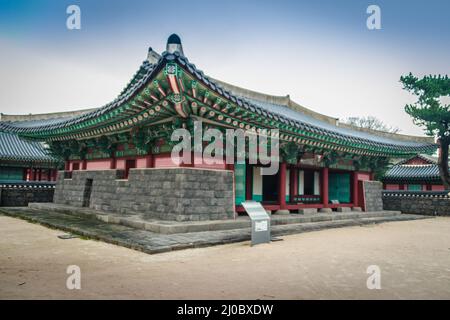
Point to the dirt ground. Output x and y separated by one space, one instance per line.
413 257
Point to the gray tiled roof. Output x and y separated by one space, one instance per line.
138 81
300 120
13 148
278 112
325 126
408 172
428 159
43 122
404 172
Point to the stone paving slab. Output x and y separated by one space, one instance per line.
151 242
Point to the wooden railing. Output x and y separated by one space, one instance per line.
307 199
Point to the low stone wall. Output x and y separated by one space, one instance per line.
182 194
21 193
373 195
418 202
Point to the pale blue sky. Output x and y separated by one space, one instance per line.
319 52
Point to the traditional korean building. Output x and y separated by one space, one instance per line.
323 162
25 160
418 173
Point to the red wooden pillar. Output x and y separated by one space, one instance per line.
149 161
282 186
372 176
293 183
84 164
112 163
297 171
67 165
355 188
324 185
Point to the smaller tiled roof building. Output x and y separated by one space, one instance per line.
25 160
420 172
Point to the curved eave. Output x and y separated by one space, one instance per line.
109 113
26 159
301 128
406 180
291 129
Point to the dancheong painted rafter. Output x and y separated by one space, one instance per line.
169 85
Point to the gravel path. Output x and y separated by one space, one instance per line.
413 256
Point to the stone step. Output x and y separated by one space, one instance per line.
173 227
315 226
151 242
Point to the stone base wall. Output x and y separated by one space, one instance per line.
14 196
182 194
414 203
373 195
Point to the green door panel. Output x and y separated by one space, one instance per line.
7 173
414 187
339 187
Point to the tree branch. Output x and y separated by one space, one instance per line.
443 162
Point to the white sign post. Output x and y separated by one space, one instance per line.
260 222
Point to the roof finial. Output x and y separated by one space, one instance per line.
152 56
174 44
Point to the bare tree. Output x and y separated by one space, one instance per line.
371 123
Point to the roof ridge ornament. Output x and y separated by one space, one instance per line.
152 56
174 44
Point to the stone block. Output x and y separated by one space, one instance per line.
282 212
307 211
344 209
170 194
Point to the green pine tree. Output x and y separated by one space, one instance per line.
431 113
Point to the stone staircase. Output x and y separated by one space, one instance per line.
173 227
